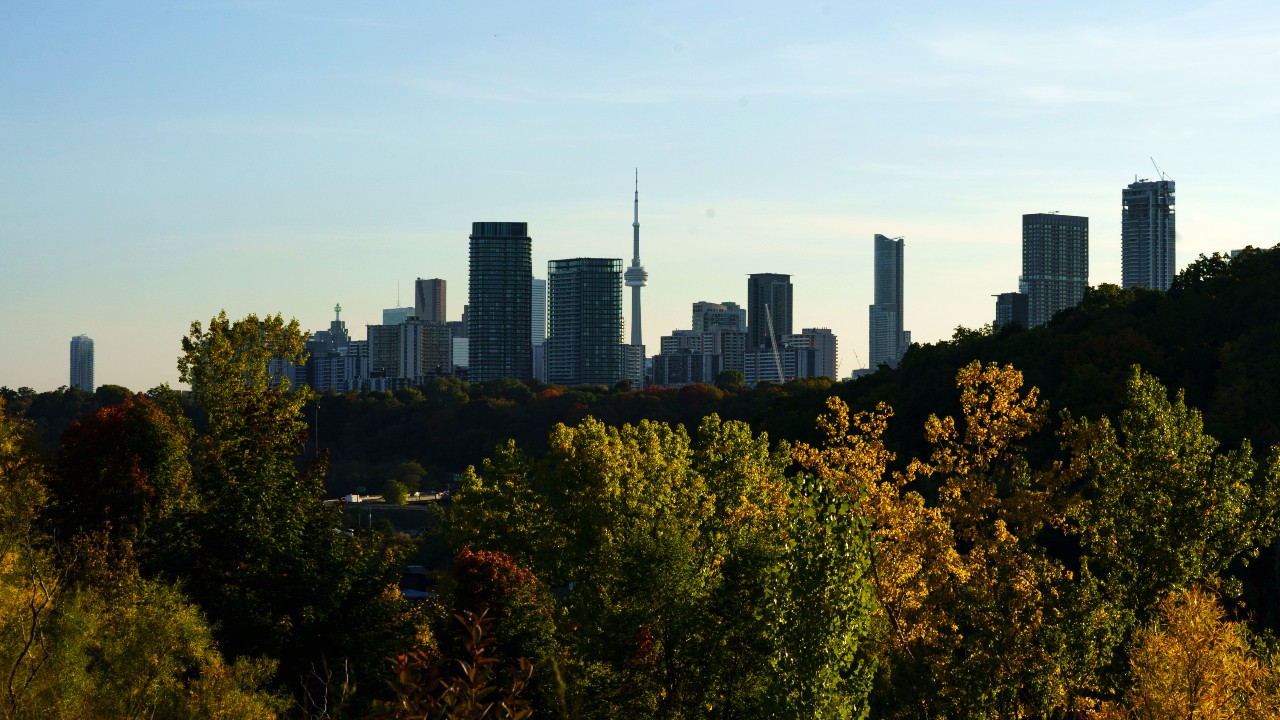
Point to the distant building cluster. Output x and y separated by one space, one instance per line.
568 328
1055 255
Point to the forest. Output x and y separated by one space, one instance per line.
1074 521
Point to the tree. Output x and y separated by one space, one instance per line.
658 549
1193 663
820 602
23 475
270 564
125 469
461 688
1165 507
731 380
394 493
970 623
490 583
409 474
83 635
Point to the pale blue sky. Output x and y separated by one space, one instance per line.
161 161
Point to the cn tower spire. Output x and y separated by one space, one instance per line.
635 276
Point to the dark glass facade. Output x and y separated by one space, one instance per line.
584 303
501 296
774 291
1055 263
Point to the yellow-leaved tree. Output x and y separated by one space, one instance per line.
1194 663
972 617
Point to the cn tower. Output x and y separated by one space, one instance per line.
635 276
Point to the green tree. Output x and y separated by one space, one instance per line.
1165 506
271 566
409 474
820 602
395 493
693 578
92 638
731 380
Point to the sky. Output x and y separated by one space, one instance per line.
160 162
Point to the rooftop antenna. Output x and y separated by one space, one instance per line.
1158 170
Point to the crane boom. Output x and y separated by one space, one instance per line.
1158 170
777 359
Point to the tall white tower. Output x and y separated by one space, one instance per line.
635 277
82 363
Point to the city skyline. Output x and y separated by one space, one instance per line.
150 169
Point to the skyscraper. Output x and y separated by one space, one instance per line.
1147 235
538 310
584 302
1055 263
429 300
538 329
500 313
887 342
772 291
636 276
82 363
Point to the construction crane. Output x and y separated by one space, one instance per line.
1158 170
773 342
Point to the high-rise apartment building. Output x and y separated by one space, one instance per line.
357 370
888 341
1055 263
1147 235
726 315
429 300
538 329
501 295
633 365
426 350
384 350
584 304
769 299
1011 309
824 342
538 309
82 363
